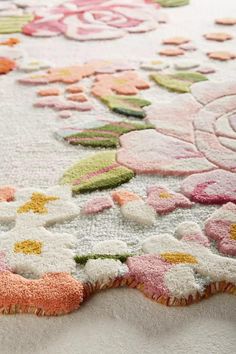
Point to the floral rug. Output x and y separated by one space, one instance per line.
116 172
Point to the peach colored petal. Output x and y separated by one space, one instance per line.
53 294
74 89
226 21
221 55
126 83
218 36
123 196
172 52
176 40
7 194
77 98
49 92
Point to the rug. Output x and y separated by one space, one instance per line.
120 172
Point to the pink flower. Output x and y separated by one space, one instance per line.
149 270
214 187
94 19
3 264
165 201
169 271
193 133
221 227
97 204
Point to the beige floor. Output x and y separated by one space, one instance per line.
124 322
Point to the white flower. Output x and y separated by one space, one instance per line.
29 65
192 250
105 270
32 251
110 247
40 207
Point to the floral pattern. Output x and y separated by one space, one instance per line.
32 251
127 83
97 19
49 272
221 227
165 201
40 207
200 139
29 248
167 272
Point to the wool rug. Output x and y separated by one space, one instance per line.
117 170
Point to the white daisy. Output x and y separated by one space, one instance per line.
32 251
41 207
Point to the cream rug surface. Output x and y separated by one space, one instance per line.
153 158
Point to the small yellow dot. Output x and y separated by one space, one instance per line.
28 247
165 195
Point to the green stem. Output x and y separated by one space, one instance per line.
83 259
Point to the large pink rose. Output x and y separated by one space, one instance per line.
94 19
193 133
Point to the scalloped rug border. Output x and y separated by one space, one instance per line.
82 292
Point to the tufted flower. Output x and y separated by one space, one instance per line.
75 73
96 19
6 65
32 251
39 206
127 83
179 267
104 266
221 227
193 133
165 201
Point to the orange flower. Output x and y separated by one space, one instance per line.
126 83
6 65
10 42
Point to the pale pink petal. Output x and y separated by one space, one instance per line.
164 201
175 118
97 205
215 187
148 151
208 91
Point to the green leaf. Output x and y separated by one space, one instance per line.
14 24
99 171
190 76
105 136
119 257
172 3
127 105
178 82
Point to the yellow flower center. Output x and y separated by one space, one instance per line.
37 76
65 72
156 62
121 81
232 232
165 195
176 258
28 247
36 204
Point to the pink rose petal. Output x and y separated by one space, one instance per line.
97 205
215 187
165 201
